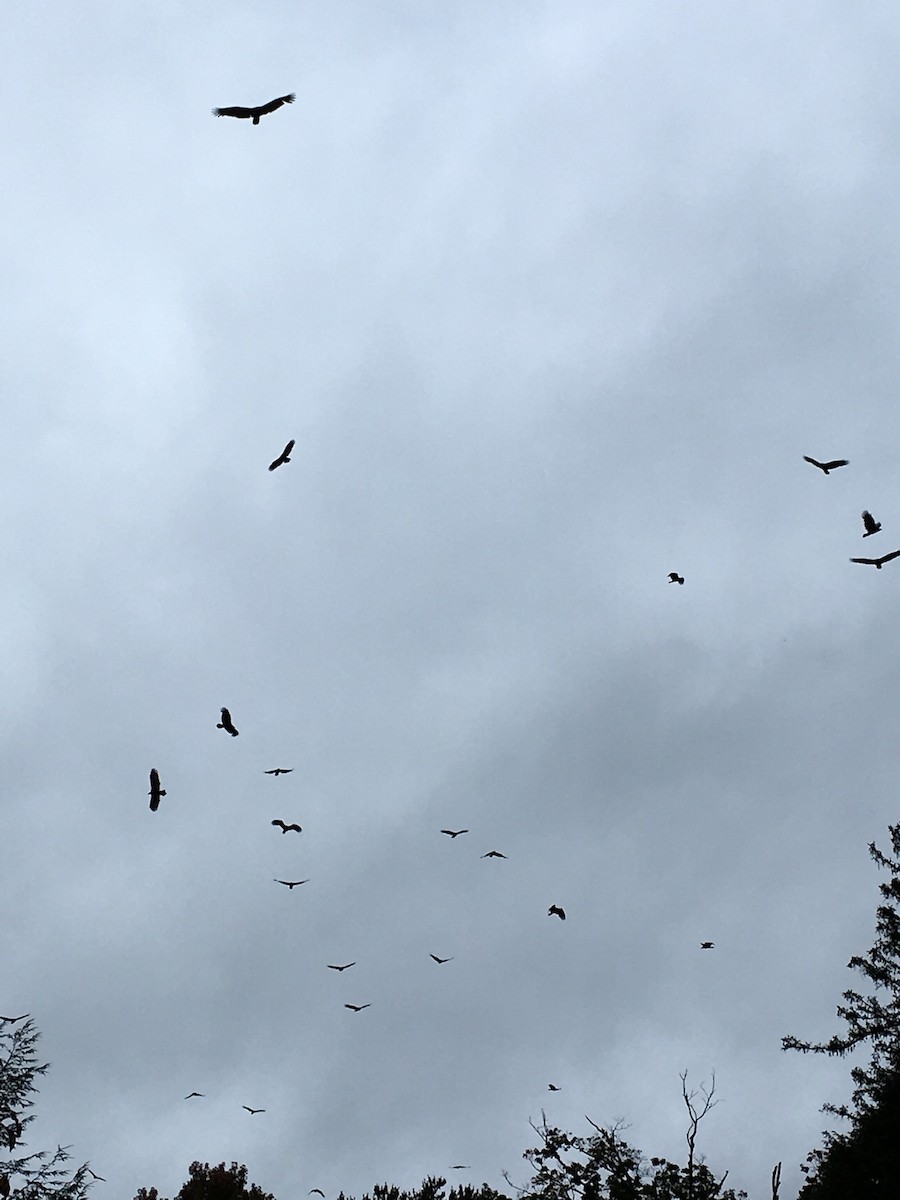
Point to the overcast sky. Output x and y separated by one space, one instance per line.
553 297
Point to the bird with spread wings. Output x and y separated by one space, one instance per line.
255 113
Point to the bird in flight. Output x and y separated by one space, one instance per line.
829 466
878 562
551 1087
454 833
357 1007
255 113
94 1175
193 1094
441 960
156 792
12 1020
317 1191
555 911
284 828
227 724
707 945
335 967
251 1111
872 526
493 854
291 883
283 457
460 1167
279 771
674 577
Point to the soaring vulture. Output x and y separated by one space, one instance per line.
454 833
317 1191
193 1094
441 960
283 457
333 967
707 945
291 883
227 724
255 113
156 792
829 466
674 577
551 1087
493 854
872 526
251 1111
279 771
555 911
285 828
357 1007
878 562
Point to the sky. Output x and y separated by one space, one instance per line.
553 298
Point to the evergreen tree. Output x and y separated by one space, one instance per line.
213 1183
864 1162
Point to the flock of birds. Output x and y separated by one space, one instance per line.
870 525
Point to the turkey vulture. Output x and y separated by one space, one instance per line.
12 1020
493 854
94 1175
555 911
707 945
251 1111
357 1007
878 562
193 1094
285 828
551 1087
460 1167
227 724
284 456
872 526
454 833
441 960
317 1191
829 466
255 113
674 577
156 792
279 771
333 967
291 883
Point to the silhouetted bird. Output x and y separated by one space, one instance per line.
357 1007
878 562
829 466
460 1167
193 1094
283 457
94 1175
227 724
12 1020
279 771
674 577
156 792
551 1087
555 911
316 1192
441 960
346 966
251 1111
493 854
454 833
284 828
707 945
255 113
291 883
872 526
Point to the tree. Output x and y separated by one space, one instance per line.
431 1188
39 1175
213 1183
864 1162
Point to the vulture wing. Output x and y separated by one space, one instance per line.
275 104
234 111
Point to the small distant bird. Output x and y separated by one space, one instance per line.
283 457
829 466
551 1087
193 1094
872 526
346 966
227 724
279 771
441 960
291 883
707 945
357 1007
555 911
493 854
460 1167
454 833
12 1020
317 1192
260 111
156 792
251 1111
878 562
284 828
674 577
94 1175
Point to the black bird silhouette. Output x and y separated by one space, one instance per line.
94 1175
12 1020
878 562
872 526
156 792
555 911
707 945
454 833
283 457
317 1192
193 1094
829 466
251 1111
674 577
255 113
441 960
291 883
227 724
279 771
460 1167
493 854
551 1087
334 967
357 1007
284 828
